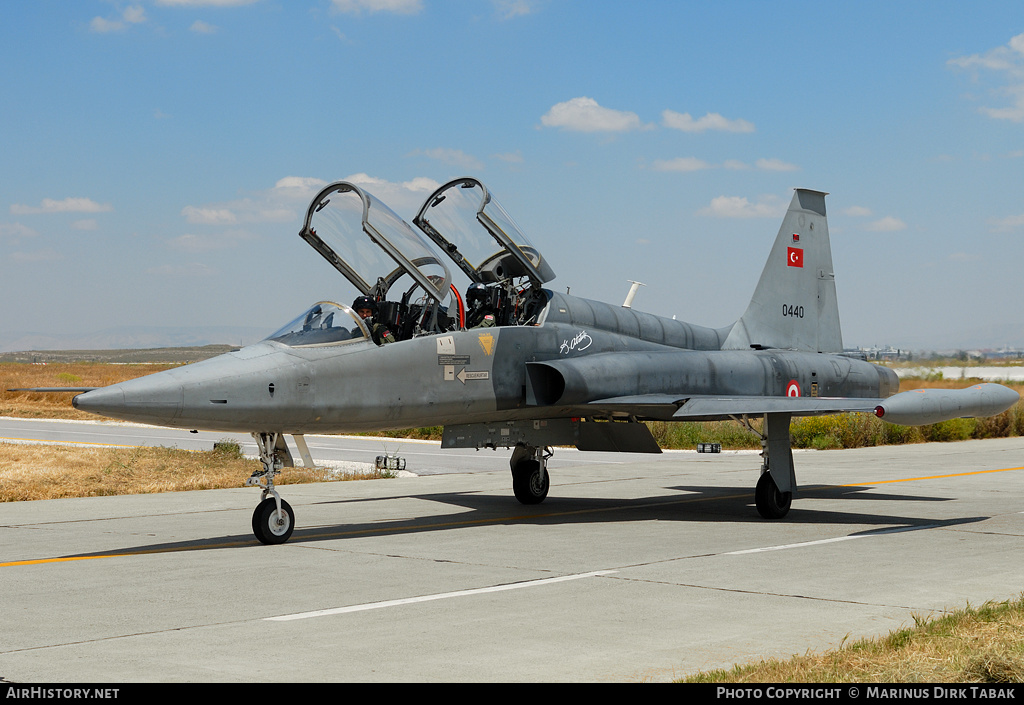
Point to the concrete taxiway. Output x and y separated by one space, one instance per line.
644 570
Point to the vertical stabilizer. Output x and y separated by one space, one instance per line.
794 306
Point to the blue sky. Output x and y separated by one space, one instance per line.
156 157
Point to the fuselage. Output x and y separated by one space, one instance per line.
477 375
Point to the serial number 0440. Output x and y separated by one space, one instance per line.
791 310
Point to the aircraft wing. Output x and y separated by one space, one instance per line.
713 408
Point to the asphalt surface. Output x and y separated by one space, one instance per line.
643 570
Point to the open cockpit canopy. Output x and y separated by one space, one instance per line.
375 249
341 218
479 236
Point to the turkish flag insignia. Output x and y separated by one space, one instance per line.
794 257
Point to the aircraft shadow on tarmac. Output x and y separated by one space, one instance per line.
693 504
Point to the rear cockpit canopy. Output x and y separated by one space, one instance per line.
477 233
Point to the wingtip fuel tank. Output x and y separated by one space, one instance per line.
925 406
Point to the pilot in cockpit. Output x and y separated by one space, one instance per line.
480 312
366 308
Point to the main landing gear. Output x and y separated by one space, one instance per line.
773 494
530 481
273 521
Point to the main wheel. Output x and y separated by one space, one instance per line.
271 526
530 482
771 504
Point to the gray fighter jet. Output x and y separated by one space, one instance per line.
517 365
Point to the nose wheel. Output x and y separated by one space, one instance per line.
271 524
273 521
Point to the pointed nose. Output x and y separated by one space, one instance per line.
100 399
153 399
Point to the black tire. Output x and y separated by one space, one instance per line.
268 527
771 504
529 482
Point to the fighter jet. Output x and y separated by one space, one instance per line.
516 365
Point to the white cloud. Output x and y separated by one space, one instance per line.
207 243
286 202
404 197
681 164
133 14
102 26
1007 62
1010 222
200 27
398 7
195 270
888 224
775 165
68 205
303 184
741 207
452 157
209 216
47 255
508 9
711 121
204 3
16 231
964 257
857 212
585 115
694 164
510 157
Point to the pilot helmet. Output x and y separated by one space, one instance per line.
476 294
367 302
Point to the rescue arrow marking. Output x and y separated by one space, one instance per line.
464 375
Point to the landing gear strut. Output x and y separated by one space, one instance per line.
530 481
773 494
273 520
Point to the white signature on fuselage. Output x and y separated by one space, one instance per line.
582 341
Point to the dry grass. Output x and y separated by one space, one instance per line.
983 645
30 472
58 406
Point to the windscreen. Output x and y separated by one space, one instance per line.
322 323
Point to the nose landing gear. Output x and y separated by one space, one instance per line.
273 521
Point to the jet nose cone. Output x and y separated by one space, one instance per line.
99 400
153 399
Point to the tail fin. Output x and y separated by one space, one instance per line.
794 306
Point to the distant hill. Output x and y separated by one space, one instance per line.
131 338
140 356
